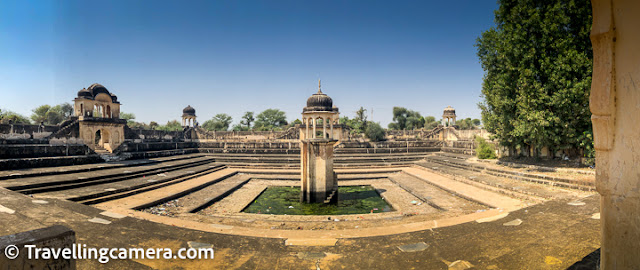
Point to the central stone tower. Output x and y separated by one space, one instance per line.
318 180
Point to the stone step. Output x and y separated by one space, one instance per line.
44 186
49 171
201 199
123 193
466 191
537 178
164 194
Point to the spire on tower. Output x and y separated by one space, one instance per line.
319 87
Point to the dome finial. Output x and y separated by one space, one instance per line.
319 87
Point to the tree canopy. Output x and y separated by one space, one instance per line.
52 115
430 122
468 123
374 132
538 63
172 125
247 119
220 122
404 118
6 116
270 119
358 124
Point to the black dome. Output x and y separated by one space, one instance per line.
189 111
84 93
319 102
97 88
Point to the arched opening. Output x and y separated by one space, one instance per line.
81 109
102 138
98 138
108 111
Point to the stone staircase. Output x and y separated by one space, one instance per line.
455 162
65 129
105 154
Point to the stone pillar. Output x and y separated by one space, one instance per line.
318 182
314 129
615 104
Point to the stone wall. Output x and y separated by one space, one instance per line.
158 135
154 146
470 134
18 163
25 131
51 237
206 135
41 150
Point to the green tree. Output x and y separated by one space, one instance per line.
172 125
127 116
219 122
430 122
374 132
296 122
130 117
467 123
538 64
270 119
138 125
153 125
52 115
404 118
9 116
239 127
40 114
65 109
484 149
247 119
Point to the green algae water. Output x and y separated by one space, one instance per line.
286 201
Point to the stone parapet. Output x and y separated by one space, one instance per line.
51 237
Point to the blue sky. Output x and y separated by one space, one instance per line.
236 56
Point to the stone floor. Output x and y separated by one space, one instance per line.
538 226
551 235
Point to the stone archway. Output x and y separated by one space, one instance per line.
102 138
98 138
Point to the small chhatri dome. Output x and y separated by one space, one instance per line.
319 102
84 93
189 111
449 110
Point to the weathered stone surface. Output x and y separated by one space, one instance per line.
514 222
460 265
198 245
4 209
112 215
99 220
415 247
40 201
51 237
615 104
